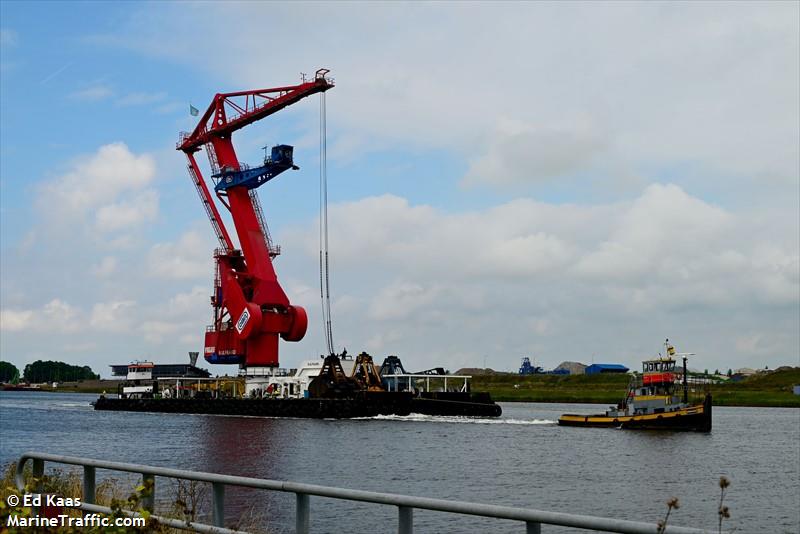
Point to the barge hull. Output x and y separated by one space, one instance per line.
369 406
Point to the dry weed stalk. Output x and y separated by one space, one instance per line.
662 524
722 511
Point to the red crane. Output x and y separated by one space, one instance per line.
251 310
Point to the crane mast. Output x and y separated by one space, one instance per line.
251 309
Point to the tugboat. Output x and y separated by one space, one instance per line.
656 400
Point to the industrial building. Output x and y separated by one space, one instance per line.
597 368
165 370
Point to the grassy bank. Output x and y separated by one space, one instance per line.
769 389
772 389
83 386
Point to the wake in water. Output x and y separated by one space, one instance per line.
452 419
52 405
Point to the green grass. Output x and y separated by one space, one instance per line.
553 388
769 389
772 389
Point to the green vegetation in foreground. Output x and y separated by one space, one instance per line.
185 500
770 389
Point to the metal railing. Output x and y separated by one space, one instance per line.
533 519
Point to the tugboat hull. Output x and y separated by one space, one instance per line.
695 418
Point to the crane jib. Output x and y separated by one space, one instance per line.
259 105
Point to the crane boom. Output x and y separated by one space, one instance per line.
258 104
251 309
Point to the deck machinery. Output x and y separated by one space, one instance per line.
251 309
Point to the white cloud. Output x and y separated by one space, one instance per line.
526 155
180 317
647 84
61 316
55 316
156 331
15 320
93 93
665 246
189 303
8 37
140 99
526 274
172 107
128 213
97 181
508 240
663 232
112 316
106 267
190 257
81 348
401 300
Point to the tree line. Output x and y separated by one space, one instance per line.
46 371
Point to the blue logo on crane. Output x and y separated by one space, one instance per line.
242 322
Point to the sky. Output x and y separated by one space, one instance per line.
564 181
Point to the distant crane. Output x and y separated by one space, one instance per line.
527 368
251 310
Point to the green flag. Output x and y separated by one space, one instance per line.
193 111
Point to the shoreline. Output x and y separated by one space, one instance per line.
724 404
548 399
765 390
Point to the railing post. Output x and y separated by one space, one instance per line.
89 490
533 527
405 524
303 513
149 498
38 475
218 503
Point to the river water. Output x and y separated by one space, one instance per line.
522 459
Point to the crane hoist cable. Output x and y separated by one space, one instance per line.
324 271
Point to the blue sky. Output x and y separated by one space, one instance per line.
556 181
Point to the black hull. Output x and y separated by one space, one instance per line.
690 422
369 405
